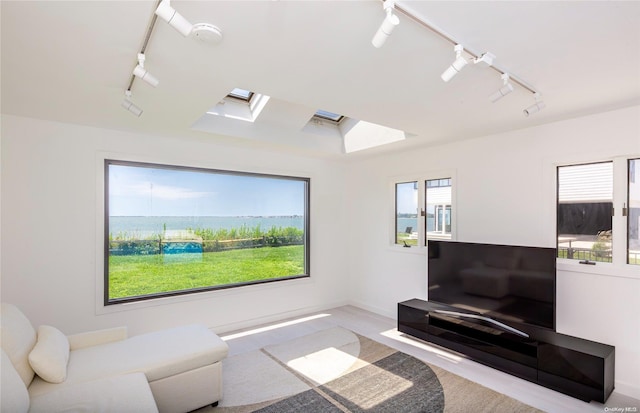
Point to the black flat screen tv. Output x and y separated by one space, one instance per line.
512 285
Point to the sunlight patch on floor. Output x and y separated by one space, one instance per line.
272 327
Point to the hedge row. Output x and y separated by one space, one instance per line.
206 240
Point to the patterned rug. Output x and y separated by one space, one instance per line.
336 370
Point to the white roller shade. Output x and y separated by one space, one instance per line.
585 183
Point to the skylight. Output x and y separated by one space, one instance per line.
239 104
241 94
326 115
332 131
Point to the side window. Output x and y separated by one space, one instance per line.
406 215
595 222
633 212
423 210
438 208
584 212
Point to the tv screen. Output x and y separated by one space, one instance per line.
509 284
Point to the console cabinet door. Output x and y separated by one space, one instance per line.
582 370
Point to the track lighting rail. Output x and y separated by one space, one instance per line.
454 42
204 32
145 43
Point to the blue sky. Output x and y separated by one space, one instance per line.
407 198
142 191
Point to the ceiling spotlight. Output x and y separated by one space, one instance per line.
175 19
536 107
129 105
456 66
503 91
388 24
142 73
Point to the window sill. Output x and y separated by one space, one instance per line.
601 268
102 309
415 250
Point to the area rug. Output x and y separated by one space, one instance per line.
337 370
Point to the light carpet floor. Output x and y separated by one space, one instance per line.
337 370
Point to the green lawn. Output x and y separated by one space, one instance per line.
403 237
135 275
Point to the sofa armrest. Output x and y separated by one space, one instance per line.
94 338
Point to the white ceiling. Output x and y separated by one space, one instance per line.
71 62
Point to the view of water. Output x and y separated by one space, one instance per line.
403 223
156 225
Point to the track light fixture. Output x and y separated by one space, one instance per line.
143 74
204 32
175 19
503 91
391 20
456 66
536 107
388 24
129 105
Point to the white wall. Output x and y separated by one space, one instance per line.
51 242
504 189
505 194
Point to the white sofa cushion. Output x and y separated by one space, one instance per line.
160 354
125 393
50 355
15 398
18 338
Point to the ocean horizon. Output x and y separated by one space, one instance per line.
149 225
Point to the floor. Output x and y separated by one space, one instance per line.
384 330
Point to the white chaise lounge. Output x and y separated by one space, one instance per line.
173 370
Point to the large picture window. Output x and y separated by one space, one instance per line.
174 230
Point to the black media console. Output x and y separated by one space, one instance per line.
580 368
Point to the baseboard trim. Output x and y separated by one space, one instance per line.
377 310
275 317
627 389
